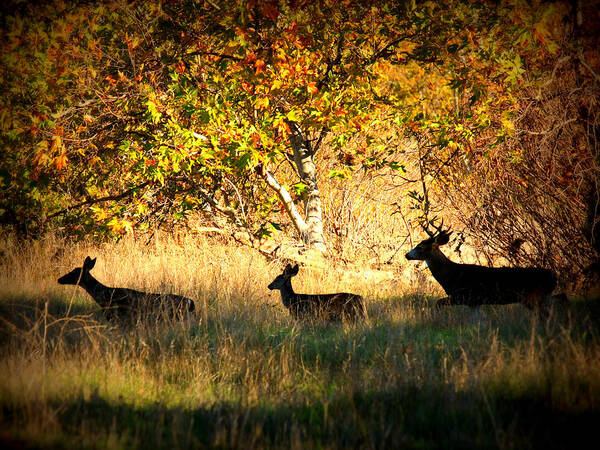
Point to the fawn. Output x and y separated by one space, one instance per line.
329 307
123 303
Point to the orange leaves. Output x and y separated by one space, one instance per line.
311 87
259 66
281 126
414 126
256 140
180 67
53 155
56 144
251 59
60 162
111 80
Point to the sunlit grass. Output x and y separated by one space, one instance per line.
243 374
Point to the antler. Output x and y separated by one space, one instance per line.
427 230
440 228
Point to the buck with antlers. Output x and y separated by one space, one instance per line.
473 285
123 303
329 307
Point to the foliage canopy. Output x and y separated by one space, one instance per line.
120 116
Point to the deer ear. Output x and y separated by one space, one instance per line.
294 270
89 263
442 238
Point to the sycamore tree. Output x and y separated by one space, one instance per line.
120 116
123 115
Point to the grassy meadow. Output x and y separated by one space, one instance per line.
242 374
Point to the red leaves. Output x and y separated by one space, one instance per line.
270 11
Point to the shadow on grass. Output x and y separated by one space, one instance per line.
415 413
403 417
429 332
26 320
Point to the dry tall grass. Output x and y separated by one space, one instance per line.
244 375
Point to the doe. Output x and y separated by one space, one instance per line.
123 303
473 285
328 307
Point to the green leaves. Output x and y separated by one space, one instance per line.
201 102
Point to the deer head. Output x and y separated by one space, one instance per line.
75 275
282 279
426 248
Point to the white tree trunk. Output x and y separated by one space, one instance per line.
310 228
305 163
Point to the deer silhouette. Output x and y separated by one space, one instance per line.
123 303
328 307
473 285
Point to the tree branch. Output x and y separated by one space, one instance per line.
229 212
93 201
286 199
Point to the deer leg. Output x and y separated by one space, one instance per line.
532 300
446 301
557 303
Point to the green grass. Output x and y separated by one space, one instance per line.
244 375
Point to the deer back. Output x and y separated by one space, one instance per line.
330 307
129 303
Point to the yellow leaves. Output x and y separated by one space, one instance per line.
293 116
277 84
507 124
117 225
262 103
41 157
57 144
132 41
87 118
95 161
100 213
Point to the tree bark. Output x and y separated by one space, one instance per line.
309 227
304 159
